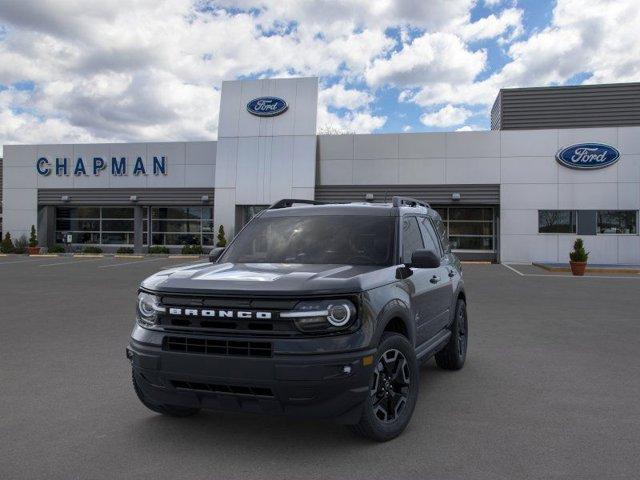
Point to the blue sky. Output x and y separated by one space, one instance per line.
77 71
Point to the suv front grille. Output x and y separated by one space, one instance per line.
209 346
229 389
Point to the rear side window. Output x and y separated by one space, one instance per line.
411 238
441 230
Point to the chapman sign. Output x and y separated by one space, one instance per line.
118 166
588 156
267 106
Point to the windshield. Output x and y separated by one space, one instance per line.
349 240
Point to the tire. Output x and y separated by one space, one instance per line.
454 354
169 410
393 390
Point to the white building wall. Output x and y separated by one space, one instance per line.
264 159
521 161
189 165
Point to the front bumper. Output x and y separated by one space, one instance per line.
332 385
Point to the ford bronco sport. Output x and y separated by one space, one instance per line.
314 310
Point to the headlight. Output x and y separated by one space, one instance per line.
148 308
322 316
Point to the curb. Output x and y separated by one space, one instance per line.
127 255
88 255
45 255
606 270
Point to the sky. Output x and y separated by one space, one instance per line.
74 71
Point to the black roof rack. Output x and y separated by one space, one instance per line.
409 202
289 202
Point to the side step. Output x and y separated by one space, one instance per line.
425 351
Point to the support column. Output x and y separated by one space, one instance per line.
138 215
46 226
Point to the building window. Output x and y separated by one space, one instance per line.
469 228
618 221
556 221
182 226
95 225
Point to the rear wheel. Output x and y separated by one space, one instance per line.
169 410
454 354
393 390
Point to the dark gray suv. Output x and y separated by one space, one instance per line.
313 310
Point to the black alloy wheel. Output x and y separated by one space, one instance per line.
391 384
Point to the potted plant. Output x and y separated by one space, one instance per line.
7 244
33 249
578 258
222 241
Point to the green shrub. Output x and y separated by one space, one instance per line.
33 238
20 245
57 248
192 250
7 244
579 254
91 249
158 249
124 251
222 241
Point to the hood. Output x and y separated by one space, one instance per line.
269 278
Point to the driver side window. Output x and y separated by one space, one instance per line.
411 238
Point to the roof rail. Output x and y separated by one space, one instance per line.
409 202
289 202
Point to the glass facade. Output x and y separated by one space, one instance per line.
182 226
95 225
623 222
171 226
469 228
556 221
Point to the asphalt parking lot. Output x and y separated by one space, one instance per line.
551 389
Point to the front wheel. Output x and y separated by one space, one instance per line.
393 390
453 355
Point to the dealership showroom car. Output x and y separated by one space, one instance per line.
320 240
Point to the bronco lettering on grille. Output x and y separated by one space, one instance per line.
239 314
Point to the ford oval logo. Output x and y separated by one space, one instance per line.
267 106
588 156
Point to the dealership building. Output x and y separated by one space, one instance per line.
559 162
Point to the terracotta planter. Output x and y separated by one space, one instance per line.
33 250
578 268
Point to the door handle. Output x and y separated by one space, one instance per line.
435 279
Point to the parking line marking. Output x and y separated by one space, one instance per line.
513 269
72 262
129 263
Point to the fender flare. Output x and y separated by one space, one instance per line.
395 309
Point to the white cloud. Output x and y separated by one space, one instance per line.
433 57
150 69
407 128
469 128
340 97
447 116
508 22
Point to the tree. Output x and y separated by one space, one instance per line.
7 244
222 241
33 238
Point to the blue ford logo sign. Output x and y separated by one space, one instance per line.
267 106
588 156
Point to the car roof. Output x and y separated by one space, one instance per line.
354 208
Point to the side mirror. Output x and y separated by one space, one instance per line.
425 259
215 254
